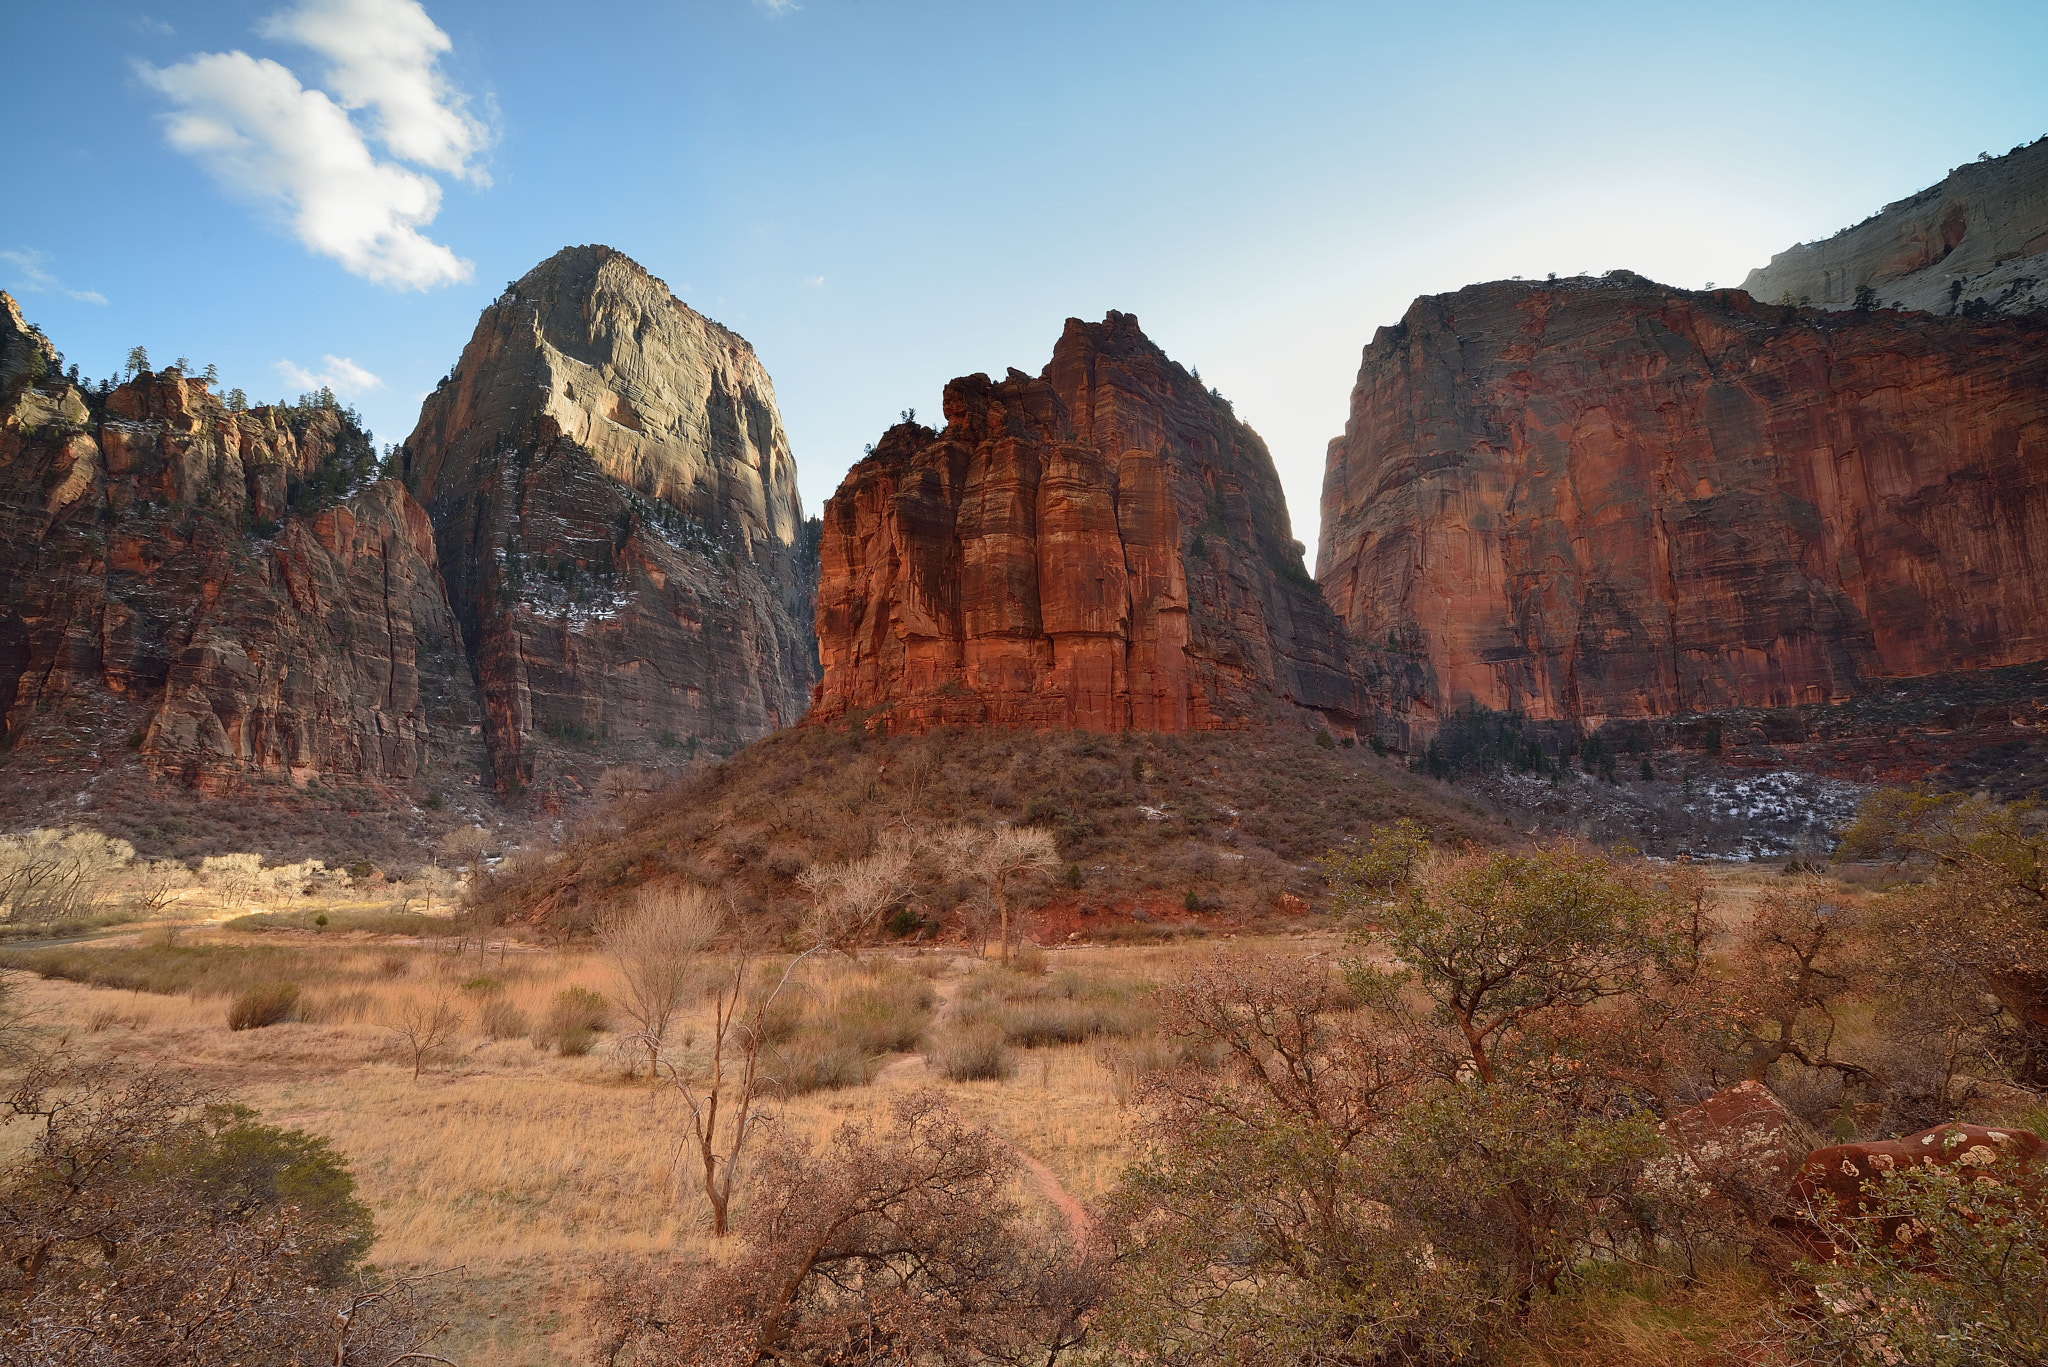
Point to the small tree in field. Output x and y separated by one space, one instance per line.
849 900
653 946
724 1100
997 858
424 1028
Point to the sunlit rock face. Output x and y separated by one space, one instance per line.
234 596
1977 241
1607 498
617 517
1102 546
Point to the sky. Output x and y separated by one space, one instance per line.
881 196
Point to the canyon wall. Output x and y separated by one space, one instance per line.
616 514
1604 498
235 592
1102 546
1978 239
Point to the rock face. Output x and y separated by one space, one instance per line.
1606 498
1844 1180
1979 238
233 589
616 512
1103 547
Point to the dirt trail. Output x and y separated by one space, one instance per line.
911 1069
1049 1184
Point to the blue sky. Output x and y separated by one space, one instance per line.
881 196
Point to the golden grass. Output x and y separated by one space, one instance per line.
527 1168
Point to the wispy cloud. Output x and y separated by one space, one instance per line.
816 282
778 6
337 373
270 139
32 275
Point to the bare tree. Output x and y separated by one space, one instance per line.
49 876
996 858
725 1101
158 884
424 1028
653 946
469 845
848 900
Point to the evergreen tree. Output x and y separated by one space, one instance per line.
138 361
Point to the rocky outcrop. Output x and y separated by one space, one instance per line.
615 508
1978 240
1103 546
1589 499
235 591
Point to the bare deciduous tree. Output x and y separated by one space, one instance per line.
725 1101
653 945
469 845
158 884
848 900
996 858
424 1027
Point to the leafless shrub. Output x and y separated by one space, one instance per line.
899 1246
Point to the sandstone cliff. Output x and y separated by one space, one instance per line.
234 591
1606 498
615 508
1978 239
1103 546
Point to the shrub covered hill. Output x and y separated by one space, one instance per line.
1156 833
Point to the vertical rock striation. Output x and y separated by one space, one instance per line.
1103 546
617 518
1608 498
233 589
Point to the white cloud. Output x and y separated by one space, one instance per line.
778 6
31 272
816 282
382 56
337 373
267 138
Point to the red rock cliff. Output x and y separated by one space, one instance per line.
616 511
1103 546
1600 498
234 592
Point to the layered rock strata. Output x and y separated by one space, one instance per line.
616 512
1978 240
233 589
1606 498
1102 546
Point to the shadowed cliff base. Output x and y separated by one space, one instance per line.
1102 547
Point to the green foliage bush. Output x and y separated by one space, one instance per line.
242 1167
575 1018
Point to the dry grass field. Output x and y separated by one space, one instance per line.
526 1154
526 1167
